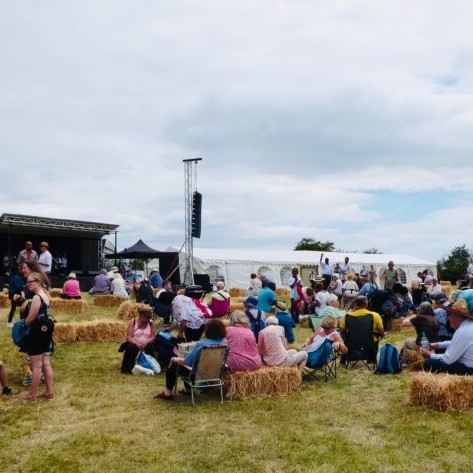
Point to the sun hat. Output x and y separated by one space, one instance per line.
72 276
280 305
251 301
44 243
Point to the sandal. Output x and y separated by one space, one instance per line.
47 396
164 397
184 392
27 397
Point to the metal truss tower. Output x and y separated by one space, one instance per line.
190 176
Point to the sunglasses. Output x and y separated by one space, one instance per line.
31 281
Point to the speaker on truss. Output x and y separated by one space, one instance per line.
196 214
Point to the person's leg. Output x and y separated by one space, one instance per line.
12 310
36 365
129 357
437 366
48 375
193 335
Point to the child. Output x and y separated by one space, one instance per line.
6 391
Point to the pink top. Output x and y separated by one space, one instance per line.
272 345
243 352
71 288
141 334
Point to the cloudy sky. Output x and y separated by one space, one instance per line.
347 121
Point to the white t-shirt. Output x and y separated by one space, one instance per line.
45 260
321 297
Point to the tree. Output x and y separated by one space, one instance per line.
453 267
309 244
372 251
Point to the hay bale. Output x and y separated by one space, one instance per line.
108 300
443 392
238 306
90 331
265 382
4 301
396 326
413 359
282 292
69 306
129 310
236 292
56 292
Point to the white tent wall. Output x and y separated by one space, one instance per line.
234 267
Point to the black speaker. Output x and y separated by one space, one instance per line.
196 214
204 281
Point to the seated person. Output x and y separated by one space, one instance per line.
332 308
367 287
140 336
144 292
401 300
361 309
163 302
220 301
6 390
440 311
256 316
349 290
155 279
243 354
417 293
308 307
425 323
458 355
71 288
102 283
130 279
326 331
285 321
215 332
118 286
320 297
267 297
272 346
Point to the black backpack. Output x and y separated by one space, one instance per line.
257 324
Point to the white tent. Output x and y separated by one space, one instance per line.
235 266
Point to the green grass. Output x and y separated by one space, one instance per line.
103 421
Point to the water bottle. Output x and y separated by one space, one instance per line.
424 341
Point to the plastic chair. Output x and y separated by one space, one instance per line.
324 360
360 341
207 370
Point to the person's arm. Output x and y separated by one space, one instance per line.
338 344
34 310
407 321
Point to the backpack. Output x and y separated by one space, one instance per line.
389 360
19 332
256 324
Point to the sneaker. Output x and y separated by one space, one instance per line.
27 380
10 324
6 391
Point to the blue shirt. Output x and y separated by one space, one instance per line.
287 323
266 300
156 280
189 360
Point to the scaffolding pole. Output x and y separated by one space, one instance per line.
190 176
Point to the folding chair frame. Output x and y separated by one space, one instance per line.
203 376
328 368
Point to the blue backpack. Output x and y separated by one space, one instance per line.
19 332
389 360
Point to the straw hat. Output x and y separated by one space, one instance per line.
72 276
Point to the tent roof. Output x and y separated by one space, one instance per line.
139 250
303 257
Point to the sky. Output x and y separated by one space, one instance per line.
342 121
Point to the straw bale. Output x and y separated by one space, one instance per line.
90 331
443 392
236 292
108 300
238 306
129 310
69 306
304 321
56 292
413 359
4 301
282 292
265 382
396 326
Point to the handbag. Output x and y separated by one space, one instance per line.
19 332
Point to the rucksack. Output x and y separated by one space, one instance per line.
389 360
257 324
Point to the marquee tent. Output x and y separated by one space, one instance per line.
235 266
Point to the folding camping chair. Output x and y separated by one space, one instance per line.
315 322
323 360
207 370
360 341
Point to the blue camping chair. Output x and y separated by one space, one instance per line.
323 360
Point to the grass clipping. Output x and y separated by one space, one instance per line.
265 382
443 392
92 331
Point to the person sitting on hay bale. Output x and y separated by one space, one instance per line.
71 288
102 284
243 354
272 346
220 301
118 286
215 332
285 321
425 323
458 356
267 297
140 336
256 316
440 311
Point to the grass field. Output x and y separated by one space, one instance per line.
103 421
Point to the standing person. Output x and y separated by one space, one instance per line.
255 285
326 271
45 259
345 269
390 276
38 344
28 254
295 284
15 286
